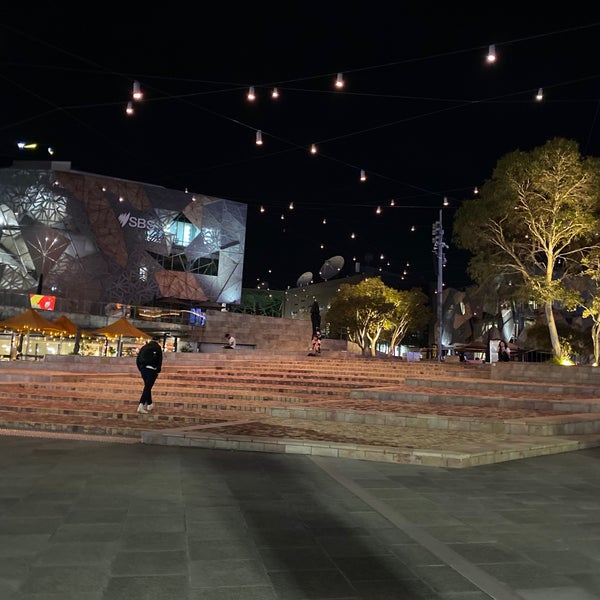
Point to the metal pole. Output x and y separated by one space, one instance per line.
440 286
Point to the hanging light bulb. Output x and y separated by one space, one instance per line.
363 175
378 210
129 110
262 209
476 190
324 220
313 149
540 94
275 93
446 201
291 206
491 55
251 95
339 81
392 203
352 235
413 228
137 91
282 216
259 137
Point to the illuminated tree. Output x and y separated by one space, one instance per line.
410 313
534 223
370 309
591 301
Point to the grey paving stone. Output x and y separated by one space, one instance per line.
201 549
61 579
309 585
172 562
235 593
227 572
77 553
148 588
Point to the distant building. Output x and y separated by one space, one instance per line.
100 239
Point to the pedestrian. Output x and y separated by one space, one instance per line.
315 345
503 352
149 364
315 317
230 345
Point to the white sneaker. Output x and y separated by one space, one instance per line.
149 407
141 409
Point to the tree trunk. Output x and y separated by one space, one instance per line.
596 341
556 348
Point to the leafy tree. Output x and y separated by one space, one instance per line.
410 313
591 301
533 223
370 310
362 311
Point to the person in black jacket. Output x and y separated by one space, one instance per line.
149 364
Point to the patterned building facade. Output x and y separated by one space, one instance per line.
105 240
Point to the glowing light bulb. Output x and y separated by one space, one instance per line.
137 91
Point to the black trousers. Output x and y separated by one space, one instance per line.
149 376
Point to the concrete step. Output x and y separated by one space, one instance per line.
433 414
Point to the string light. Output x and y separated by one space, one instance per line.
259 137
313 149
275 93
446 201
137 94
339 81
378 210
129 110
251 95
540 94
262 209
363 175
491 55
291 206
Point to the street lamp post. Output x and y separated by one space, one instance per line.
438 246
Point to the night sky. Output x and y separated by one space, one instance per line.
422 113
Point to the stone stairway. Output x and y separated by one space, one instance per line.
437 414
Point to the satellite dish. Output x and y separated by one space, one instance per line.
331 267
304 279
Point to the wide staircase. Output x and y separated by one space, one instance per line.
436 414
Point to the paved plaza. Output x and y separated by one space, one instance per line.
102 519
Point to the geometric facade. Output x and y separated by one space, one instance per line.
90 237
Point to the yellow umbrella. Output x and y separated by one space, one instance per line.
67 326
120 329
29 321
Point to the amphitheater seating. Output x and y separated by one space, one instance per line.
425 412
